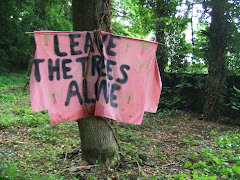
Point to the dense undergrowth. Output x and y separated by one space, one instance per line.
170 144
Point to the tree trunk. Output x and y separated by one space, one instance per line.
216 71
160 37
98 138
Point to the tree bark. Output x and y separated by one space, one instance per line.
216 71
91 14
98 138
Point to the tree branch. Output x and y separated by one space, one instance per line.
206 33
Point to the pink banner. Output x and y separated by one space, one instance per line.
72 79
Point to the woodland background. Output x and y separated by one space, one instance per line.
193 135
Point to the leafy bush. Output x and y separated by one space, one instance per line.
235 99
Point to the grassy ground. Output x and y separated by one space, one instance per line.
170 144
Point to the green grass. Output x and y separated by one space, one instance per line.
40 144
32 147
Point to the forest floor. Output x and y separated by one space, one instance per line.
170 144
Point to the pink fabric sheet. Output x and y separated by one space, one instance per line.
129 84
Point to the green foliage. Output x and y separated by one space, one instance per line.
231 42
138 18
187 164
218 162
180 91
11 39
19 17
134 17
121 29
235 100
237 91
10 171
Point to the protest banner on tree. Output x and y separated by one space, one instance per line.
81 74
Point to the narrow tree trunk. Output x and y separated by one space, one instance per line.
193 45
217 63
39 11
30 62
160 37
98 138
